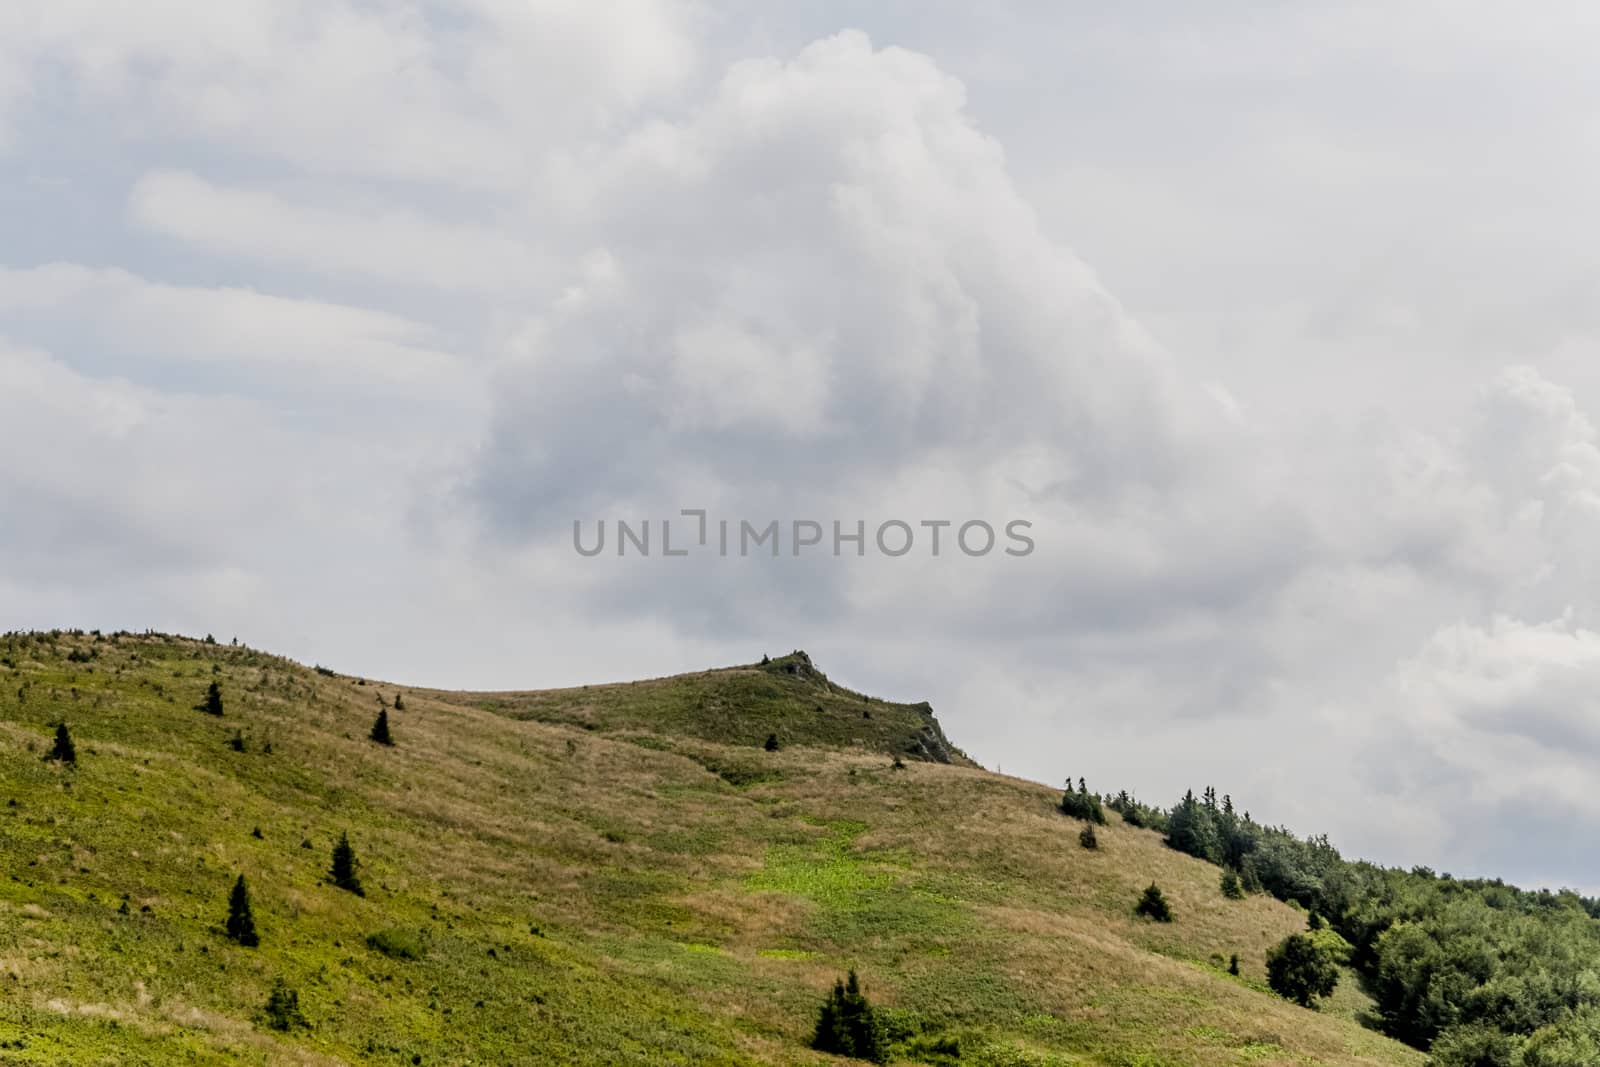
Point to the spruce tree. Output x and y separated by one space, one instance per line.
847 1025
1086 837
861 1024
399 702
283 1007
1231 887
241 924
213 702
1233 965
343 872
380 729
1154 905
771 744
63 750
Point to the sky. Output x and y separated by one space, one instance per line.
322 324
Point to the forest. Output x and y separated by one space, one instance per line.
1478 972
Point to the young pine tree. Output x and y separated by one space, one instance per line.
847 1025
380 729
399 702
241 923
1086 837
213 701
1154 905
282 1009
343 871
1233 965
1082 804
63 750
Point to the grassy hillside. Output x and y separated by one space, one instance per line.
610 875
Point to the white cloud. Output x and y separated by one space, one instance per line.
395 245
391 266
233 332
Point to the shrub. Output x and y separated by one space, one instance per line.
63 750
1233 965
236 742
1298 970
1232 888
241 923
1086 837
848 1026
399 702
771 744
380 730
282 1010
1153 905
212 705
1481 1045
397 944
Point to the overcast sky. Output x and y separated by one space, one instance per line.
321 321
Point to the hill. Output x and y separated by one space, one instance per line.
613 875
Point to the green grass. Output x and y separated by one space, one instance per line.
611 875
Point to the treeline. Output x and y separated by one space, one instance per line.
1480 972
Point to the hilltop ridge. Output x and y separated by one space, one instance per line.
788 697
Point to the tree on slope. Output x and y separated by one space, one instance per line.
241 923
1298 970
343 871
63 750
380 730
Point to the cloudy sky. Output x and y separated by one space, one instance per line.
321 321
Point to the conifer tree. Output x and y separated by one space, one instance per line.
1233 965
847 1025
63 750
241 923
283 1007
399 702
236 742
213 702
771 744
380 729
1154 905
1087 838
1231 887
343 872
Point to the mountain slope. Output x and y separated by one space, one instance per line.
617 874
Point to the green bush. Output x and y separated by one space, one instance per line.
1299 970
398 944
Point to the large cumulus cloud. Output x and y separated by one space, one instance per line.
364 303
